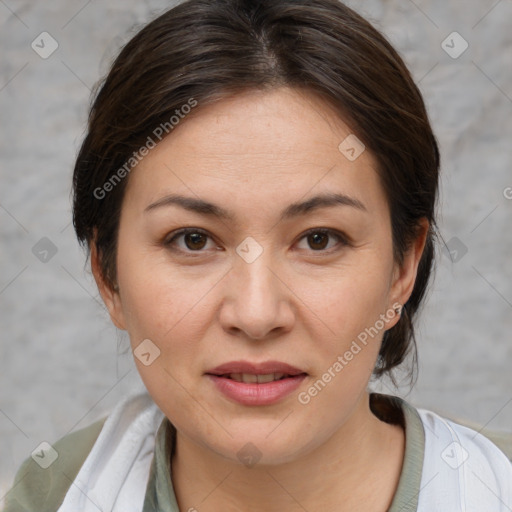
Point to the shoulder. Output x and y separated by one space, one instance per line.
45 490
42 489
464 464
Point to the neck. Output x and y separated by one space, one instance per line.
334 476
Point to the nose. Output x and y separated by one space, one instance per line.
257 301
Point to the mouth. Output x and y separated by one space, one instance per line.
256 383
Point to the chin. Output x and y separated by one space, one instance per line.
262 445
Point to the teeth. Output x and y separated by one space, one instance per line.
251 378
267 378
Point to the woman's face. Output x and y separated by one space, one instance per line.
282 277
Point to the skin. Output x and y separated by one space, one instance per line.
302 301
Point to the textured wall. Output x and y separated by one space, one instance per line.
62 363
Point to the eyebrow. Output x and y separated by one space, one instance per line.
203 207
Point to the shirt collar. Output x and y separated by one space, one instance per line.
160 492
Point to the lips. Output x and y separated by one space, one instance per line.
256 383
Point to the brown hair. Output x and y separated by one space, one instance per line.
207 50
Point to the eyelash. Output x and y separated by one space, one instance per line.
342 239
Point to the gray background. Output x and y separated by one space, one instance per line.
63 364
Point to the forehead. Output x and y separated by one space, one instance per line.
254 148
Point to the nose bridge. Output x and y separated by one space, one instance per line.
259 298
253 269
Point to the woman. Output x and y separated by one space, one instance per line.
257 189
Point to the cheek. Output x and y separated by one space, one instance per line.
346 357
171 307
170 312
156 297
349 300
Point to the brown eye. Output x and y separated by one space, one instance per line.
319 240
194 240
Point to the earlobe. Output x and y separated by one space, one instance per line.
109 294
405 274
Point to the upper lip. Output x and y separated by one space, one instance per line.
263 368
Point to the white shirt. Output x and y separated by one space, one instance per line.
462 471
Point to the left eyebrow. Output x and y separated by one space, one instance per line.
293 210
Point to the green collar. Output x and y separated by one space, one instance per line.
408 490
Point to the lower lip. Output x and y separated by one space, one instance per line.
249 393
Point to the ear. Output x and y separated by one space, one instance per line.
404 275
110 296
